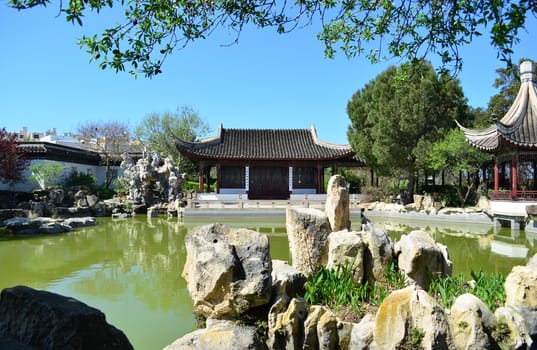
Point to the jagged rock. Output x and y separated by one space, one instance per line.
45 320
220 335
320 329
26 226
228 271
286 323
410 310
307 231
337 203
92 200
362 334
286 280
521 294
80 222
510 331
471 321
421 258
343 248
56 196
11 213
378 255
521 287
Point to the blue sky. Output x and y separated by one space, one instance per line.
265 81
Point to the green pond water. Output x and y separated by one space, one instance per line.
131 269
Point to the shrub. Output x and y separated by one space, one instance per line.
75 179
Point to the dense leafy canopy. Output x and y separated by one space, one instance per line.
453 155
161 131
392 125
412 29
12 161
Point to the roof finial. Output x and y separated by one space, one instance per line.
526 71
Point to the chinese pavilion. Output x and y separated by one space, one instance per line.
513 142
267 163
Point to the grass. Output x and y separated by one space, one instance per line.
351 300
337 289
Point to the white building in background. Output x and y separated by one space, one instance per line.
66 150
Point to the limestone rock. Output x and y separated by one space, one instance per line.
286 323
521 287
410 310
286 280
362 334
471 321
337 203
228 271
56 196
220 335
378 255
307 231
80 222
320 329
510 331
345 247
420 257
521 294
45 320
26 226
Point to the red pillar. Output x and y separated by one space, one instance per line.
514 179
496 176
200 179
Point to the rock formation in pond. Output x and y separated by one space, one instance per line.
152 179
220 261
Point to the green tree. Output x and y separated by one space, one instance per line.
46 174
159 132
453 155
392 122
150 30
508 81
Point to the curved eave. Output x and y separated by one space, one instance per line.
482 139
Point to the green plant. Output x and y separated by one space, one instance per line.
489 288
446 289
75 178
45 174
416 335
121 184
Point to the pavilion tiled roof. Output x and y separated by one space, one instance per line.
519 125
265 144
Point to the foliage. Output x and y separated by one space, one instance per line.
337 288
508 81
150 30
489 288
109 139
12 160
161 131
46 174
391 123
121 184
353 180
454 155
75 179
373 193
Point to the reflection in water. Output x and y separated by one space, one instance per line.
131 269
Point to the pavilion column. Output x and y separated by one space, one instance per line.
496 176
200 178
218 178
319 179
514 176
290 179
246 179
